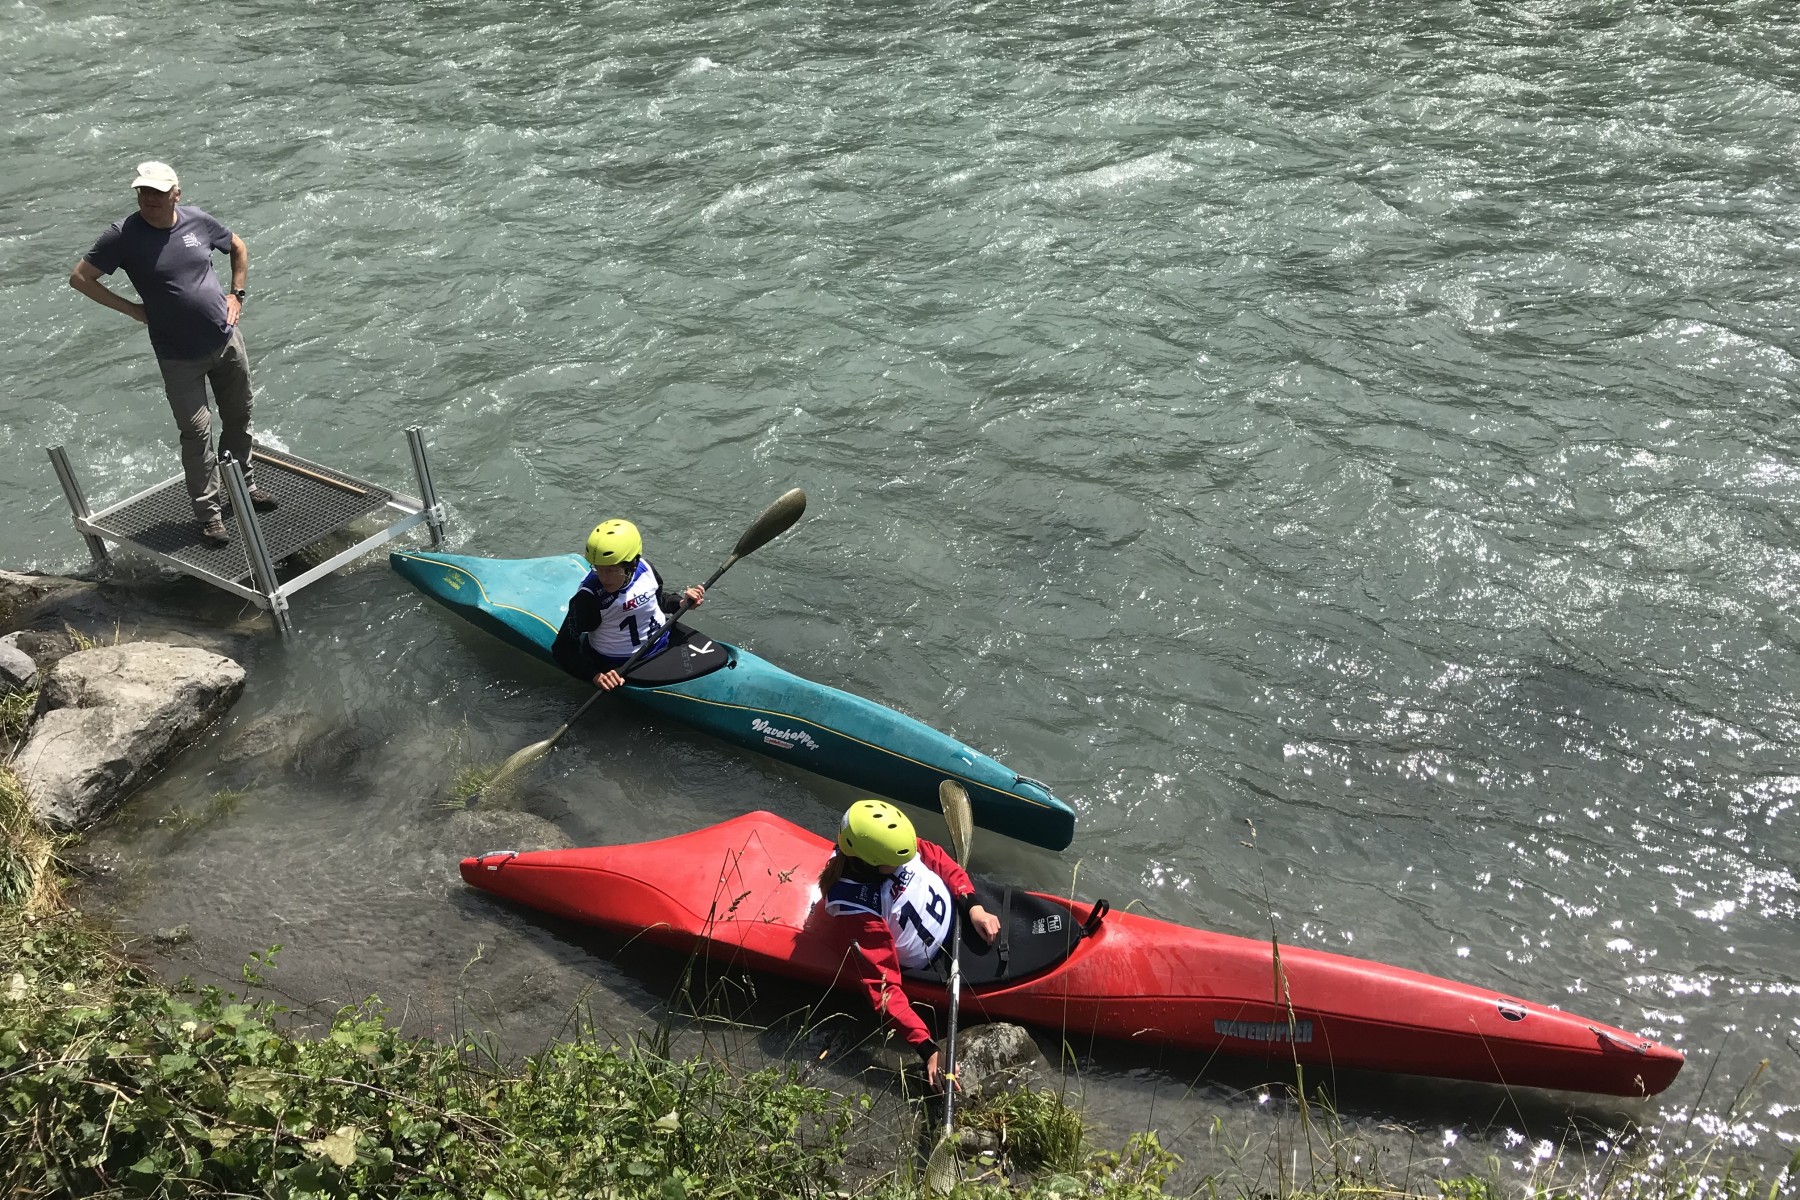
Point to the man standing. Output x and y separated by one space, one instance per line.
166 249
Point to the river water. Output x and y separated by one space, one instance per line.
1347 450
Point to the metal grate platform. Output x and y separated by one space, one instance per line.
316 501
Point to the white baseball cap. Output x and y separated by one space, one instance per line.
158 175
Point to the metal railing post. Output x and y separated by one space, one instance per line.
255 549
65 475
434 512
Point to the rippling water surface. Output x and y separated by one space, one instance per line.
1348 450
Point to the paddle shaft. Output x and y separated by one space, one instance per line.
955 803
955 1003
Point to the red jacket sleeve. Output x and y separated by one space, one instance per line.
878 971
957 879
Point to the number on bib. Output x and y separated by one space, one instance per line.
936 904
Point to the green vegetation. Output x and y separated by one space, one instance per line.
218 806
1035 1131
469 782
130 1086
16 709
472 778
1139 1172
28 881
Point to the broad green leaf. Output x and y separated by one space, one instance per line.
258 1084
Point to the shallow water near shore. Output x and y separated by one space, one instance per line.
1347 451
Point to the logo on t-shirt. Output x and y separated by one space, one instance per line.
190 241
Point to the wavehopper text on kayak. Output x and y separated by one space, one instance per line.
785 738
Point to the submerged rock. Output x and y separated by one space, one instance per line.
477 830
275 736
21 595
108 717
991 1058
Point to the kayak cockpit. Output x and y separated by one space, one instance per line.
690 655
1037 933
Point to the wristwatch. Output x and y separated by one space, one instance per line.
241 294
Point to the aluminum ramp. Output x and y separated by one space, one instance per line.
316 502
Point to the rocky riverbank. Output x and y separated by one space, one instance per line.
105 713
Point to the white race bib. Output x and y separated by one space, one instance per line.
633 616
916 905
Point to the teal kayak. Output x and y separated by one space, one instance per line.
732 694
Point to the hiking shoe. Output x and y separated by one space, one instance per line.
263 501
213 530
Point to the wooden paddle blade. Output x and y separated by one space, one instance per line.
523 759
959 816
941 1169
773 522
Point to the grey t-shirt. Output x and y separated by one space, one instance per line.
172 270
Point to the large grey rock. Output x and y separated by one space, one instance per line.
991 1058
18 670
56 615
108 717
998 1057
45 646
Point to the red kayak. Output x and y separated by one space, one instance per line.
745 892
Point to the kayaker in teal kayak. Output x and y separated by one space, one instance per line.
903 892
620 605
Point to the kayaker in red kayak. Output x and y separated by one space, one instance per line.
619 606
902 891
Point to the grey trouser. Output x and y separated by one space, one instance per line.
184 379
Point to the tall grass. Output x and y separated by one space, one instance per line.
29 883
16 709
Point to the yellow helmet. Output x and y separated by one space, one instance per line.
614 542
877 833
